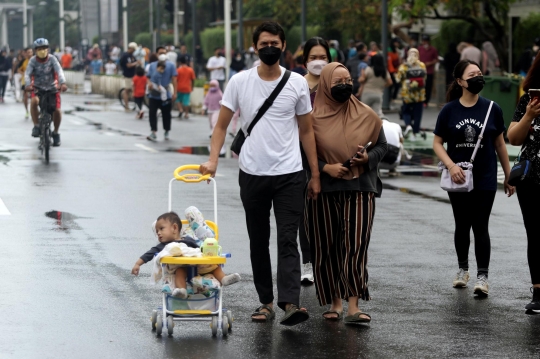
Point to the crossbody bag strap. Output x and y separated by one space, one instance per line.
481 133
269 101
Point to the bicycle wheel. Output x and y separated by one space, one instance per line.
131 104
46 142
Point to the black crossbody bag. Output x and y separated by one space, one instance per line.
520 171
240 137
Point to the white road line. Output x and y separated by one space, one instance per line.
109 134
146 148
3 209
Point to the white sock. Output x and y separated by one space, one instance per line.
180 293
230 279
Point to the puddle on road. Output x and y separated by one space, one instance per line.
64 221
4 160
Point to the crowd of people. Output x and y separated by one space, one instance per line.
332 178
330 101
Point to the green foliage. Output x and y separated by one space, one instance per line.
294 36
525 33
188 41
144 38
212 38
452 31
199 82
95 40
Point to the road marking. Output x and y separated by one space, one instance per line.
146 148
3 209
109 134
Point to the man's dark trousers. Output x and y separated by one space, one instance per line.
285 193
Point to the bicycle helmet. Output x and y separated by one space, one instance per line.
41 42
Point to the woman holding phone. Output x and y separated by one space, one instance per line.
459 124
343 128
525 131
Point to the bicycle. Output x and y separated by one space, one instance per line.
46 110
131 101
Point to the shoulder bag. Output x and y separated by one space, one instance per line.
240 137
446 180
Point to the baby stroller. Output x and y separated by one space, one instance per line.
209 308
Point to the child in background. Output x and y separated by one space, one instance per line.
110 68
139 89
96 65
156 81
168 227
212 102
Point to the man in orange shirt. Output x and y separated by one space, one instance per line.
66 60
185 77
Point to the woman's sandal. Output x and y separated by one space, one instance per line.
294 316
268 316
338 313
356 319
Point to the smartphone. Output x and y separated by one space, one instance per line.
348 162
534 93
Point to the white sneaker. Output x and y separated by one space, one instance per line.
412 137
481 287
462 278
307 274
408 130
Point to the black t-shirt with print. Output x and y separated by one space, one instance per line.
127 58
460 126
530 150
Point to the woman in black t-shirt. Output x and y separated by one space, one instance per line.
459 124
525 131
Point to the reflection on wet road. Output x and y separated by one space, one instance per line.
78 225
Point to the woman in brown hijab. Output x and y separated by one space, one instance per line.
339 222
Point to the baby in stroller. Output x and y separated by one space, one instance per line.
168 228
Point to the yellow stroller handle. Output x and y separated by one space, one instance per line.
190 177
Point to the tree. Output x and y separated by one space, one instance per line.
489 18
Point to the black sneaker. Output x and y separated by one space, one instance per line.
534 305
56 139
35 131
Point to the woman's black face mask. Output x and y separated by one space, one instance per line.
342 92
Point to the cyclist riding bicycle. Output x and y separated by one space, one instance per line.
44 73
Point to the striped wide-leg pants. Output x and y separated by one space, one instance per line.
338 226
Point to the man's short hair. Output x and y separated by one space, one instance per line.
171 217
161 64
182 60
159 48
269 26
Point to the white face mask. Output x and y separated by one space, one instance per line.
315 67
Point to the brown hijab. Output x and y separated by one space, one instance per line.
341 127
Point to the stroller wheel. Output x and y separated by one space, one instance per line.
170 325
225 326
153 319
159 325
213 325
230 319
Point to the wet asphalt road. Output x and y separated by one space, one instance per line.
66 290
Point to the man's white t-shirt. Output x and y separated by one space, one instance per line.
393 134
115 53
273 146
172 57
214 62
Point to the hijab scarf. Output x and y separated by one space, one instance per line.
340 127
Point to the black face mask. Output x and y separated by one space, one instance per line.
342 92
476 84
270 55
